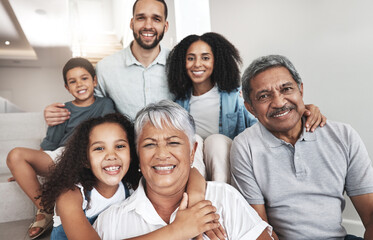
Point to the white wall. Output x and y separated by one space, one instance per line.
33 88
329 42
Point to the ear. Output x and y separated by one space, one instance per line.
194 149
166 27
250 108
131 24
95 81
67 87
301 89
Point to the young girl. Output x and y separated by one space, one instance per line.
97 169
203 74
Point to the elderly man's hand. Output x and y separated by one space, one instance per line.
55 114
314 118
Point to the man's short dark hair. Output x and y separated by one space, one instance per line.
162 1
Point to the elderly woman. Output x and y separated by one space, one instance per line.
165 140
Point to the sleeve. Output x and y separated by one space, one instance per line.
53 137
108 106
101 221
359 179
242 173
100 88
241 221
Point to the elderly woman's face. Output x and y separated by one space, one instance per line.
165 158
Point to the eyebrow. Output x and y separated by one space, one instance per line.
282 86
153 139
118 140
144 15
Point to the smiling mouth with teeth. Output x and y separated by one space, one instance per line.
282 114
113 168
164 168
82 91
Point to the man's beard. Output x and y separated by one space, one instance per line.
158 38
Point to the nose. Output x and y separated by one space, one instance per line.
198 62
79 82
278 101
111 156
162 153
148 23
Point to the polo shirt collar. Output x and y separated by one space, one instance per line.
272 141
131 60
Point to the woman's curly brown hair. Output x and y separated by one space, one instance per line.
73 166
227 61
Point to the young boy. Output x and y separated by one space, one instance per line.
25 164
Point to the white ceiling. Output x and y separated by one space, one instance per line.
42 32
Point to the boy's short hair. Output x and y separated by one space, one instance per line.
78 62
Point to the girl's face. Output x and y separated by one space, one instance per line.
199 62
109 155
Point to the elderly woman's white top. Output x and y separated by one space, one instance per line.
137 216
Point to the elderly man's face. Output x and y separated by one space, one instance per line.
276 100
165 158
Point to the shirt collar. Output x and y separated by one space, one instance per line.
141 204
272 141
131 60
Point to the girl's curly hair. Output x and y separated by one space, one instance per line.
226 71
73 165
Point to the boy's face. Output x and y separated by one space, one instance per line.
81 85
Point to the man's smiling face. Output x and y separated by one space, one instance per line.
276 100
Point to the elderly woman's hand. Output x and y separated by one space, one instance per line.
197 219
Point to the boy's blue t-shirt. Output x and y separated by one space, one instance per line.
58 135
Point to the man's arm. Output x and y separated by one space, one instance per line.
55 114
261 210
364 206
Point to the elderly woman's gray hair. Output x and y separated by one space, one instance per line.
166 114
264 63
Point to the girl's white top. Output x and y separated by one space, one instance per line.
97 204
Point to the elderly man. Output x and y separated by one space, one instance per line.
165 141
296 179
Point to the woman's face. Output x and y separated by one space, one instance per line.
165 159
108 154
199 62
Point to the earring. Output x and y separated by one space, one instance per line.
191 165
139 170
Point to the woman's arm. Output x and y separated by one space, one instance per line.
314 118
73 219
196 189
189 222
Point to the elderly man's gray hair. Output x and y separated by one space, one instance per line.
264 63
166 114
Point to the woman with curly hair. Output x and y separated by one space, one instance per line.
203 73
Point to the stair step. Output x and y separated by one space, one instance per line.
16 205
17 230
